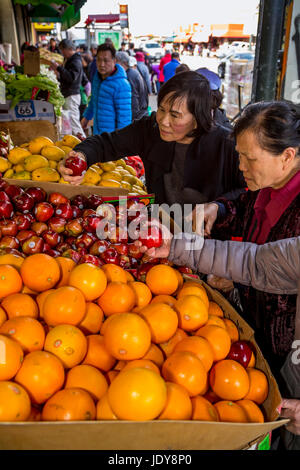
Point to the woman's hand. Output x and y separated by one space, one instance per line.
66 173
164 250
290 408
203 218
220 283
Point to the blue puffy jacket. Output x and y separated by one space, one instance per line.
110 103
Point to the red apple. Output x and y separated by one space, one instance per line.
38 194
134 251
9 242
110 256
76 164
121 248
106 211
6 209
4 197
12 190
88 212
24 203
90 223
77 212
33 245
91 259
151 237
24 235
57 224
64 210
241 352
184 270
117 235
52 238
61 247
74 227
142 271
80 201
52 253
39 227
57 198
85 240
94 201
8 227
3 184
74 255
125 262
99 247
23 221
43 211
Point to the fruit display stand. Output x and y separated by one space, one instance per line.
156 434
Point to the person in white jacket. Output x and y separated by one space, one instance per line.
272 267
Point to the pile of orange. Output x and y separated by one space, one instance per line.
79 342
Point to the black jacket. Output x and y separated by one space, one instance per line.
211 165
70 75
139 96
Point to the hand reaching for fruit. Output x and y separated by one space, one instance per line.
155 240
220 283
68 173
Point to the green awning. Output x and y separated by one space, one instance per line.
66 12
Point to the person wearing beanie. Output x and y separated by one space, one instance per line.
163 61
143 69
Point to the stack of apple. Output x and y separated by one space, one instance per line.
32 222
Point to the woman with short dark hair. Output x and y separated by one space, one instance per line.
187 157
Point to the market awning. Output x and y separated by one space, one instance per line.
111 18
66 12
233 31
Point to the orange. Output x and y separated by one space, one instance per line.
12 259
230 412
215 320
90 279
194 290
66 305
141 363
229 380
192 312
143 294
137 395
162 279
162 321
155 355
218 338
118 297
68 343
165 299
200 347
14 402
93 319
88 378
232 330
71 404
254 414
115 273
127 336
204 410
215 309
178 405
41 374
169 346
11 357
129 277
40 272
259 387
184 368
10 281
252 360
27 331
65 265
97 355
17 305
180 279
26 290
3 316
103 409
40 300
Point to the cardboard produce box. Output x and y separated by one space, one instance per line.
151 435
24 131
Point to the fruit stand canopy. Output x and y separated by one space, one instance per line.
66 12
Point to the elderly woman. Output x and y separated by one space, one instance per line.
268 140
187 157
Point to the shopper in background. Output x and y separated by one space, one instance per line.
163 61
143 69
93 66
138 86
131 50
53 46
110 103
217 97
70 75
87 60
182 68
170 67
123 47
